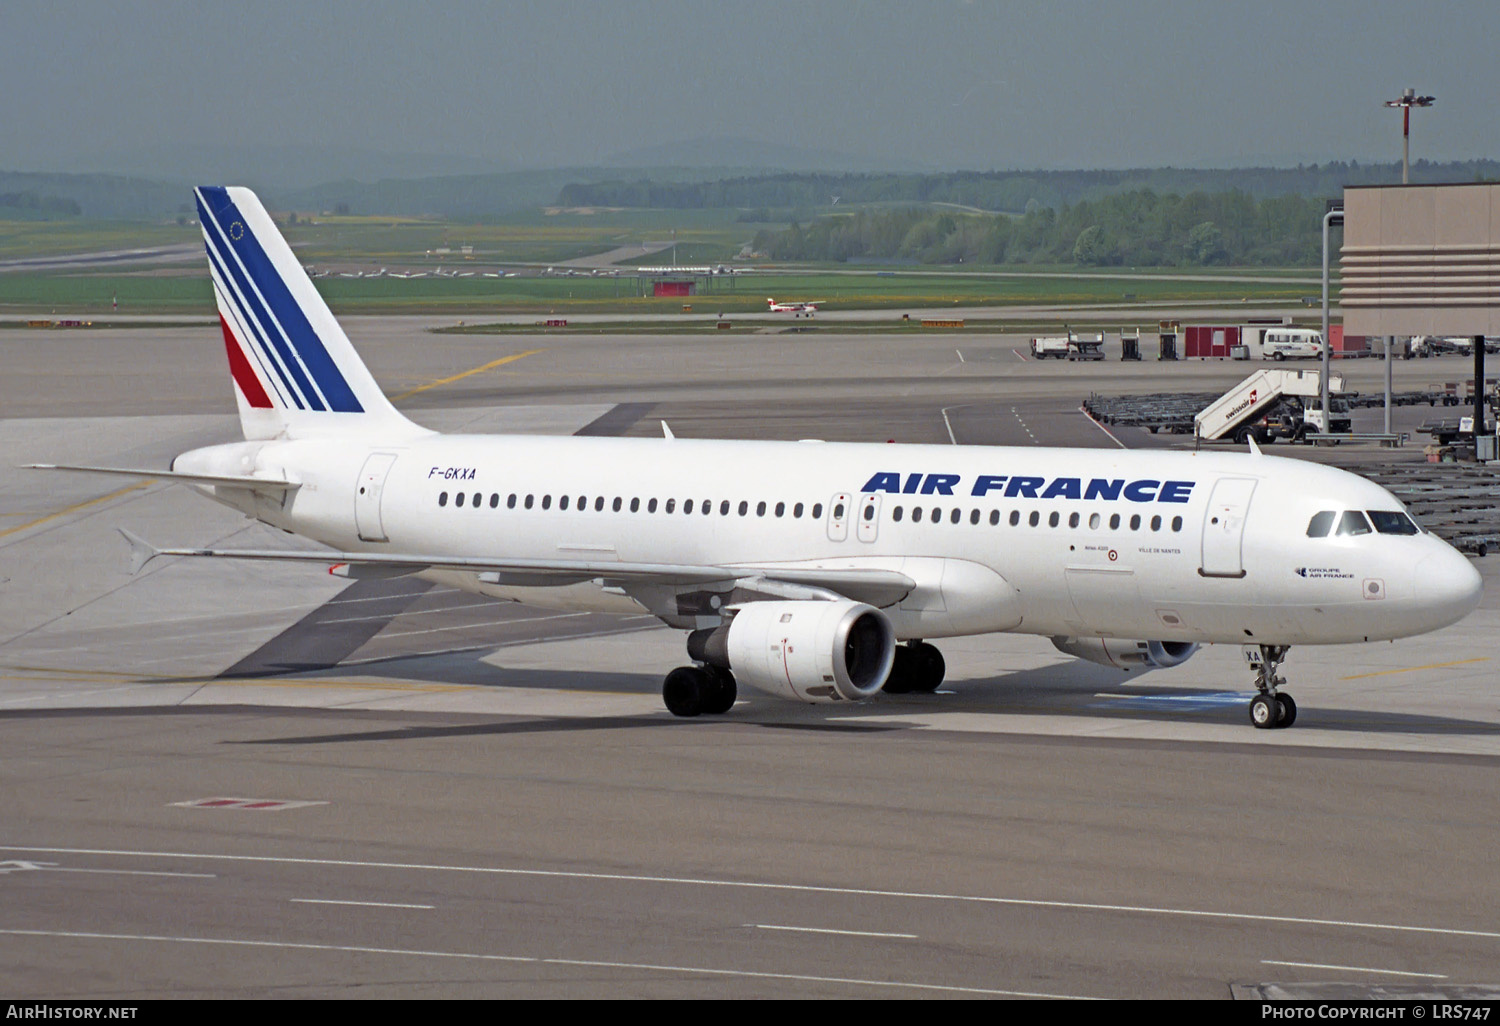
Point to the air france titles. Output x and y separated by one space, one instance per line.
1019 487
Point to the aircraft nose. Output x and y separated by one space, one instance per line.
1448 586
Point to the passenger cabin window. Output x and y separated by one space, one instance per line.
1353 522
1318 526
442 498
1392 523
458 499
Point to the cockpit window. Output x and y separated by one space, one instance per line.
1392 523
1353 522
1318 526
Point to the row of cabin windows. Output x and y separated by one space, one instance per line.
618 505
780 509
1054 519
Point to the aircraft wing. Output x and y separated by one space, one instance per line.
873 585
267 485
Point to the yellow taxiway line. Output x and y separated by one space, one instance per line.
78 506
459 377
1414 669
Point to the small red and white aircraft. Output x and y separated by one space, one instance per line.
796 309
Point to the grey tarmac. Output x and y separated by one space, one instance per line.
498 806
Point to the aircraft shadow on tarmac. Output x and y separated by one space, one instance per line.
1065 689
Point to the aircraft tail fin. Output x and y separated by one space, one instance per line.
295 372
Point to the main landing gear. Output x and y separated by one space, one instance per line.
1271 709
919 667
691 690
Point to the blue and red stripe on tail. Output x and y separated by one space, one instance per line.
294 369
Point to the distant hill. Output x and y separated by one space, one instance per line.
751 154
112 197
676 186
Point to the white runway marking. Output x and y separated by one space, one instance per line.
841 933
949 426
866 892
1101 427
538 960
1352 969
368 904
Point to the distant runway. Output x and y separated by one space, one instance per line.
265 781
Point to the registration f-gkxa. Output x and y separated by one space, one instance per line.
812 572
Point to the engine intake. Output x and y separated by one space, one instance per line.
1127 655
809 651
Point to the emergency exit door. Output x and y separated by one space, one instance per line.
367 496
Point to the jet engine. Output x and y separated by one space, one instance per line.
1127 655
809 651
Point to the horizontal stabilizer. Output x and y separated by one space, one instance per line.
264 485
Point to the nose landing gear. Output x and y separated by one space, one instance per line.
1271 709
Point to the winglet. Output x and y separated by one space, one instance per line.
141 551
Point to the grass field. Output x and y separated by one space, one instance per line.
549 236
146 293
56 238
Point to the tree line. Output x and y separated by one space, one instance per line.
1012 191
1135 229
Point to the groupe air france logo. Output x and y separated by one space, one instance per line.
237 231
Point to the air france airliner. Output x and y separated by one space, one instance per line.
809 571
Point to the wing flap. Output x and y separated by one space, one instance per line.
265 485
875 586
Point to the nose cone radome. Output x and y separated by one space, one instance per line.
1448 587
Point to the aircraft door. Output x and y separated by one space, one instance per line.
838 517
869 517
1224 527
367 496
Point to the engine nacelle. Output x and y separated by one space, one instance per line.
810 651
1127 655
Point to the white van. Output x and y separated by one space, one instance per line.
1291 344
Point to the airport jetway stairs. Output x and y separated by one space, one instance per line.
1257 395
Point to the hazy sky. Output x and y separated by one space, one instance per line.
940 83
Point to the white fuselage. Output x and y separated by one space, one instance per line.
1191 547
